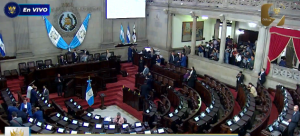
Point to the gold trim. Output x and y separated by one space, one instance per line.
284 35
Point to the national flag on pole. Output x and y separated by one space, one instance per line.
89 95
133 34
2 47
122 38
54 36
128 34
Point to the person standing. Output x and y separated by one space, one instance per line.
33 97
29 88
262 77
130 54
59 83
172 58
45 93
293 122
192 78
141 65
119 120
239 80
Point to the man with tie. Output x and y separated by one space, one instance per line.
26 105
10 110
239 80
33 97
59 83
16 121
38 114
62 61
45 93
262 76
145 71
172 58
293 122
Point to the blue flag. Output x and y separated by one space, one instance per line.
2 47
80 35
128 34
89 95
122 38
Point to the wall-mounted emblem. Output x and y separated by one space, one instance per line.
67 21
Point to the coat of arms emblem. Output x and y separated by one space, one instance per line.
67 21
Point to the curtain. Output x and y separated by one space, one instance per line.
277 45
280 38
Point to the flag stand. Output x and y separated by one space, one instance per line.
90 109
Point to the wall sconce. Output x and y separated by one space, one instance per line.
204 17
252 24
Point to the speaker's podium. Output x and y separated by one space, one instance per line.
102 107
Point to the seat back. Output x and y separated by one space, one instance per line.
171 83
160 78
31 64
39 61
90 57
166 81
22 65
48 62
7 73
96 56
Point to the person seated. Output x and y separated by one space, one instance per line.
118 120
158 60
186 76
252 90
62 61
11 109
23 114
38 114
16 121
108 54
282 62
74 56
238 59
84 58
145 71
245 62
26 105
145 90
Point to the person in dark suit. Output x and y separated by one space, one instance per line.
26 105
16 121
183 60
293 122
33 97
141 65
23 114
62 61
74 56
86 52
262 76
145 89
177 60
59 83
10 110
38 114
192 78
239 80
45 93
172 58
149 80
130 54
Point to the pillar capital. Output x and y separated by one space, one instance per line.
222 17
192 13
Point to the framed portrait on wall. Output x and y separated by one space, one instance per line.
187 31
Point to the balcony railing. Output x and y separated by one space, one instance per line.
285 74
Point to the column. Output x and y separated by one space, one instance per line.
170 27
193 43
223 41
260 48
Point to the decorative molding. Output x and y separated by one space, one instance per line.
284 73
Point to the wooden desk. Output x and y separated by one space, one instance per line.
3 83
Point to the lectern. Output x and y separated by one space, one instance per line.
102 107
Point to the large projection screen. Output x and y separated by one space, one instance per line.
125 9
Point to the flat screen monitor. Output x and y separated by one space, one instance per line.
97 117
75 103
107 119
60 130
39 124
270 128
147 111
98 126
245 109
49 105
124 126
211 106
176 111
138 124
85 124
236 118
78 106
46 101
180 107
73 132
30 120
160 131
65 118
196 118
40 95
74 122
229 123
43 98
111 126
147 132
58 115
150 107
89 114
241 114
171 115
71 100
202 115
132 132
207 110
49 127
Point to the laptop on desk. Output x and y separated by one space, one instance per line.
48 130
85 127
73 132
60 130
138 126
160 131
111 129
37 127
98 128
30 122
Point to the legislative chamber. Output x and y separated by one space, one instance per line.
205 67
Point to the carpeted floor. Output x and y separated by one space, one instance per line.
114 94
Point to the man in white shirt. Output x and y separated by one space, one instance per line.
238 59
29 88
